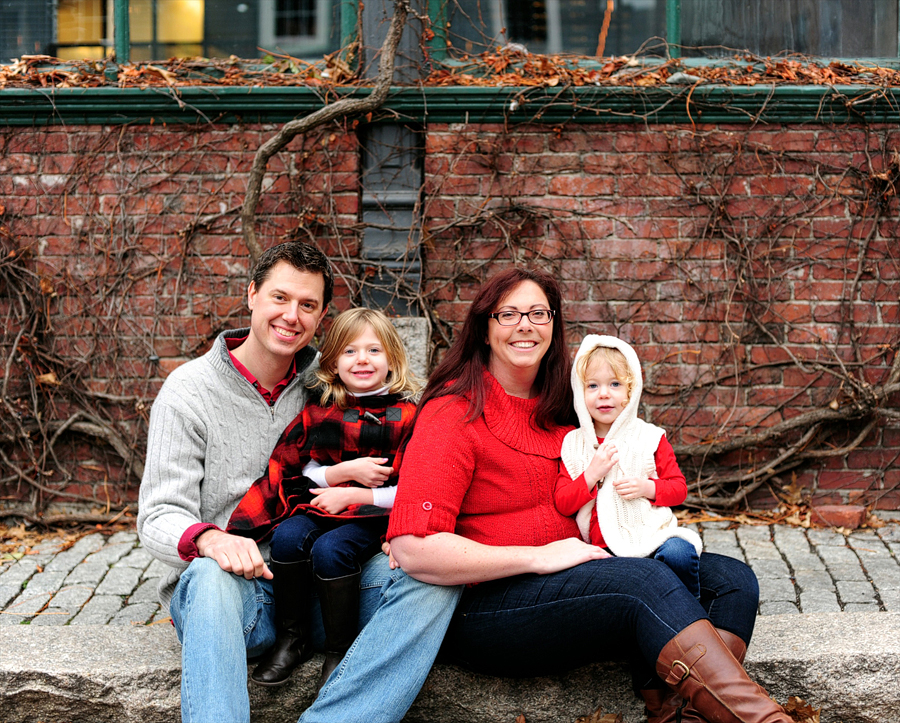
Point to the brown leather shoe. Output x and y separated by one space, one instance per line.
661 705
699 666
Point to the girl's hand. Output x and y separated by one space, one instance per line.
632 488
563 554
368 471
601 463
335 500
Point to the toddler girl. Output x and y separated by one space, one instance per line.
619 473
346 445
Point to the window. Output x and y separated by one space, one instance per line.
160 29
298 27
841 28
26 28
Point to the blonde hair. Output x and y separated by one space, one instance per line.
616 360
347 327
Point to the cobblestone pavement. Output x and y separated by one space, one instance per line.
112 580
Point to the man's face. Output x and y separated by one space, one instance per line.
285 310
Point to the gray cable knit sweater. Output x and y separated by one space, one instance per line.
211 434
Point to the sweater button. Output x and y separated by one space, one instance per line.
426 506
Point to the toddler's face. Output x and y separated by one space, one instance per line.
363 365
604 394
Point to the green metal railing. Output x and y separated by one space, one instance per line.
765 104
122 31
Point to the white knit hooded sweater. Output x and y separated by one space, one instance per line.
631 528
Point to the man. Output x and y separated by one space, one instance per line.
212 428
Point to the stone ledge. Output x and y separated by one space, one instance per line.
849 664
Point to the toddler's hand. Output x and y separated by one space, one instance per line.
632 488
334 500
601 463
369 471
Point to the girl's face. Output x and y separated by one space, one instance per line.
604 394
363 364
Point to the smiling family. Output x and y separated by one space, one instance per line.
524 510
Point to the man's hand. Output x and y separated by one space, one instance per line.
335 500
368 471
235 554
632 488
386 549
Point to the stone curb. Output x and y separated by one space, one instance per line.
849 665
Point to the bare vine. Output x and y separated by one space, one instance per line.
339 109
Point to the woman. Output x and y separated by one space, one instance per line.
489 430
475 505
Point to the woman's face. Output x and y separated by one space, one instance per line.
520 347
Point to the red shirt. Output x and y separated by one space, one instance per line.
270 397
671 488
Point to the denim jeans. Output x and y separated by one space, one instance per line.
382 672
616 608
220 619
681 557
337 548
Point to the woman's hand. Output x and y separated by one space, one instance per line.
563 554
633 488
368 471
335 500
601 463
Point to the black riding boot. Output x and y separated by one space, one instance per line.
339 598
292 585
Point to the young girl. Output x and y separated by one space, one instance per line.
347 443
619 473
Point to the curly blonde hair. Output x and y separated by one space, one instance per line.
347 327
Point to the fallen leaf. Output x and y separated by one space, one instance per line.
801 711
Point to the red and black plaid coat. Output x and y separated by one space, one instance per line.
374 427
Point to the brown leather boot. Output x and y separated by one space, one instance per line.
661 705
699 666
672 708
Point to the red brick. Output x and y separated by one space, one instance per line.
581 186
849 516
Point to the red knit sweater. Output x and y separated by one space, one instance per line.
490 480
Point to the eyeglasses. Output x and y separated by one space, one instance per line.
535 316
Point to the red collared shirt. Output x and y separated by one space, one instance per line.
270 397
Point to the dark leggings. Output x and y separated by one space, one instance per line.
336 548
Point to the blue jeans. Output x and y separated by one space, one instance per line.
220 619
382 672
337 548
681 557
621 608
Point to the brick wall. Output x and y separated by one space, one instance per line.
755 270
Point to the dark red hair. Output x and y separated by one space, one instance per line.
461 372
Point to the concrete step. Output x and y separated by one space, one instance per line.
846 663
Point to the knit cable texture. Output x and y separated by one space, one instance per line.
631 528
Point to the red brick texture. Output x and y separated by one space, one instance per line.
755 271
